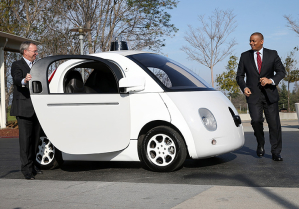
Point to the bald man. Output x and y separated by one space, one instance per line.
263 71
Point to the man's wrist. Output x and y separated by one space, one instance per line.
272 81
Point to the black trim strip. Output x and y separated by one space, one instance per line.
81 104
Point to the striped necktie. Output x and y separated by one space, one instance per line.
259 61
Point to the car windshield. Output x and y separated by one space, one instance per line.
170 73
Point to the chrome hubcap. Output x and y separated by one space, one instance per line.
161 150
46 151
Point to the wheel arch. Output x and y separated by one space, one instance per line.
156 123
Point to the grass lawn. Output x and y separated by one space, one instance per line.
242 112
10 118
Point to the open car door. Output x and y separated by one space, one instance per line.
93 119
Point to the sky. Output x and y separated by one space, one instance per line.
265 16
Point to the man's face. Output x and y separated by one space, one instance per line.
31 53
256 42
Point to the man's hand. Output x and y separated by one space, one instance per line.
264 81
27 78
247 92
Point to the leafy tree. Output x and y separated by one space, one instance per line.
227 80
292 73
20 18
294 97
143 23
296 93
239 101
283 96
207 42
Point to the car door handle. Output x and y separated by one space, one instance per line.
37 87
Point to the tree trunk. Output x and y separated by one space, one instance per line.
212 77
89 38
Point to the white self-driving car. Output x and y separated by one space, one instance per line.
130 106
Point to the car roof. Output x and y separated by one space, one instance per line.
121 52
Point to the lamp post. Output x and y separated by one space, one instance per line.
81 32
2 78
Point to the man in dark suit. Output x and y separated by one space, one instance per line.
263 70
22 108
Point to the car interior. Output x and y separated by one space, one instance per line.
73 82
100 79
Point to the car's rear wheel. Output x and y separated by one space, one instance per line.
162 149
47 156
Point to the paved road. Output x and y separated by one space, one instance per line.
234 180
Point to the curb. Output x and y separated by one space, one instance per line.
5 137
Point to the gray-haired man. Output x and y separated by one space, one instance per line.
22 108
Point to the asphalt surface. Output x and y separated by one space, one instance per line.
237 179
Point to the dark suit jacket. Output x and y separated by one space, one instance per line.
21 103
271 68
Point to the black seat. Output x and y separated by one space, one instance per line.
73 82
101 82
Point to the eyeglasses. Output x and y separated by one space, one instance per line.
32 51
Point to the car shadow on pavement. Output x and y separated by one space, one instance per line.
247 151
290 126
75 166
224 158
212 161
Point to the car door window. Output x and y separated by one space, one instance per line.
169 73
162 76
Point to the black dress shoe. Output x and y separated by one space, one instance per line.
36 170
276 157
260 151
29 177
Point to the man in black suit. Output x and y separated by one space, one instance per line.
22 108
263 70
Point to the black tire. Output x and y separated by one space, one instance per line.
47 156
162 149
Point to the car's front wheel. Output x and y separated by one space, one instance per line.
47 156
162 149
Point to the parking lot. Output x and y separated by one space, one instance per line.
235 178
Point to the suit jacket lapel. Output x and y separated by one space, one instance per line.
27 68
253 62
265 59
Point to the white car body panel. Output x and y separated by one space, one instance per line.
178 121
228 136
145 108
85 123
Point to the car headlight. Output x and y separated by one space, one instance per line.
208 119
